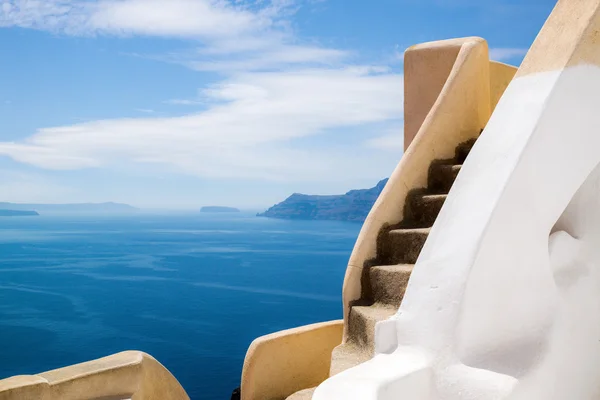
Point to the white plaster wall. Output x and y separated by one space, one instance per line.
497 307
568 360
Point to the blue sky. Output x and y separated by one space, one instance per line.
184 103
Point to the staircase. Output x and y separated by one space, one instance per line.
398 247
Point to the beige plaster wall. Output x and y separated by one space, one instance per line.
130 374
285 362
500 76
461 109
562 43
426 70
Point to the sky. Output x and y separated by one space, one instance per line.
186 103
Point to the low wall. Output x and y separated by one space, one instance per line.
129 375
282 363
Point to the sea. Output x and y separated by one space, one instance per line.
191 290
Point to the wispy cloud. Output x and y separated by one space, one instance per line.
268 58
248 130
183 102
277 93
145 110
176 18
506 53
227 35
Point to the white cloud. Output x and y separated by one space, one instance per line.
503 54
145 110
269 59
228 35
176 18
248 130
262 121
183 102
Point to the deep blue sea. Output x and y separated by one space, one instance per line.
191 290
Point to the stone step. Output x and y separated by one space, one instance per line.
361 323
388 283
346 356
463 150
305 394
441 177
397 251
423 208
402 246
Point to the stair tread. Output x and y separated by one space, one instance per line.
377 312
305 394
395 267
433 196
388 283
402 231
452 165
346 356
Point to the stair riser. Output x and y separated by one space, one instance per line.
463 150
402 248
424 210
362 330
441 177
388 287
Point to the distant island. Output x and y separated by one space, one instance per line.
352 206
18 213
77 208
218 209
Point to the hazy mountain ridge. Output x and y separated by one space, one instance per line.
18 213
74 208
351 206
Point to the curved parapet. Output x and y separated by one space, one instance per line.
129 375
451 88
282 363
504 301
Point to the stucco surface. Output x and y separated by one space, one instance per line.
426 68
460 111
128 375
500 76
280 364
504 299
569 37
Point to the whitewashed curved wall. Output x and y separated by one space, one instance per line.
504 302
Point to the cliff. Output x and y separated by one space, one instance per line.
352 206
